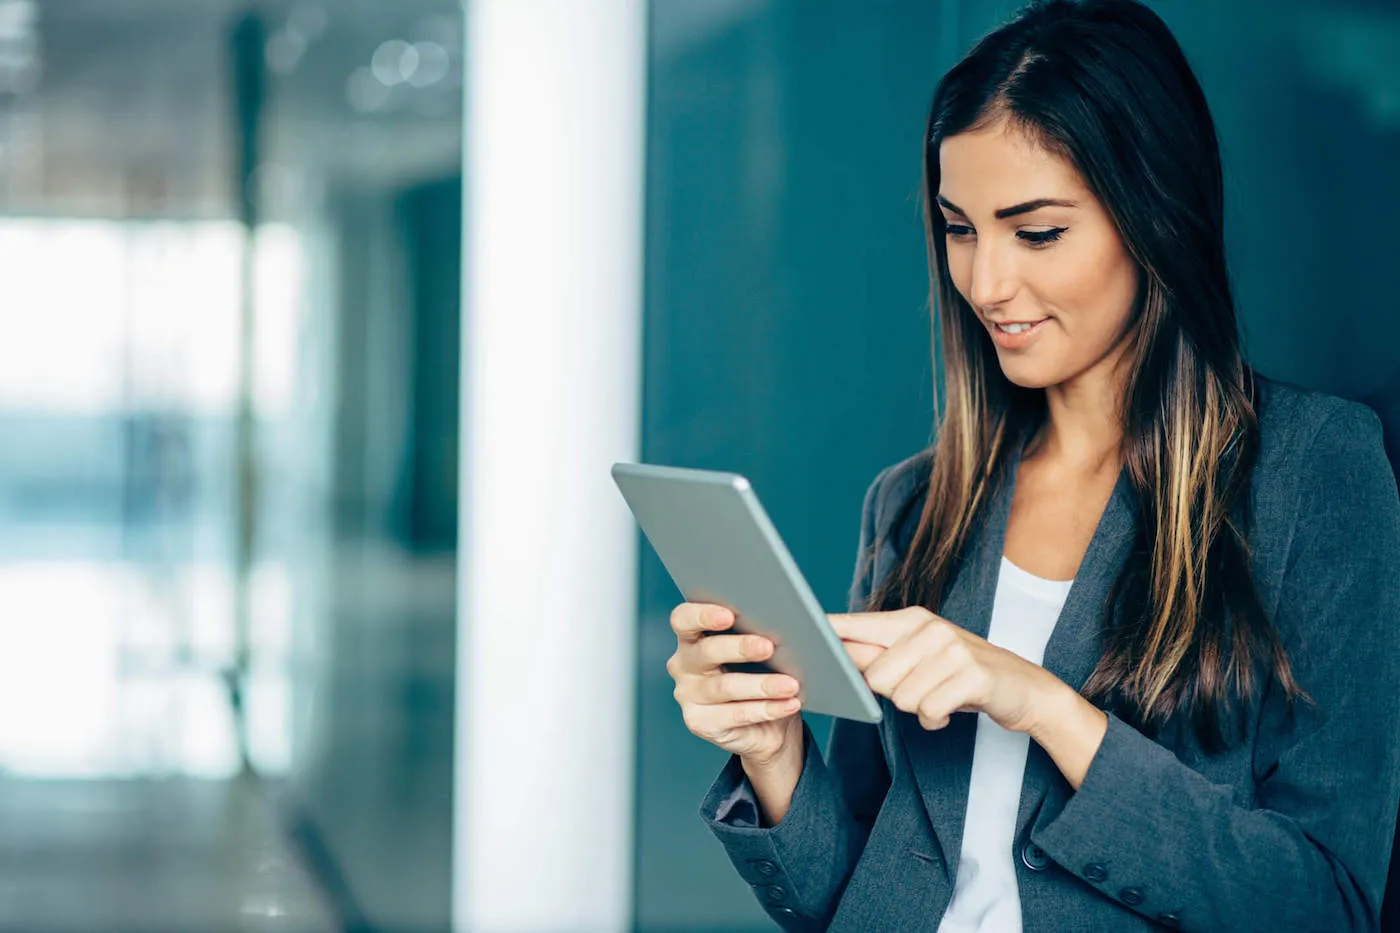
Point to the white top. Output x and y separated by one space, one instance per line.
985 896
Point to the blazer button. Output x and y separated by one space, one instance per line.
1034 857
1131 896
1095 872
1172 920
766 867
777 893
785 912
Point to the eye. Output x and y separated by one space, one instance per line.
957 231
1040 238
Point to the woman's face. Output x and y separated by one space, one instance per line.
1028 244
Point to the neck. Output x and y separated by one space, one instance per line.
1084 430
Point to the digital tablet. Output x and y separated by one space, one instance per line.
719 546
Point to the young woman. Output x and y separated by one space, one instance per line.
1135 616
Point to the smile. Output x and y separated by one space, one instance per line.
1018 328
1018 334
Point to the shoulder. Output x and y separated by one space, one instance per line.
1309 438
1290 414
890 492
886 498
1322 483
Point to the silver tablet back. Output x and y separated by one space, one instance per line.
719 546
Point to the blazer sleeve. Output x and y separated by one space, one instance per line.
799 868
1311 851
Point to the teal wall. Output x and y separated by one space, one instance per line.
786 333
786 330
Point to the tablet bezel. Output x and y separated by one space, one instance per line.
785 609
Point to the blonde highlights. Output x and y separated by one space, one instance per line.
1105 85
1184 631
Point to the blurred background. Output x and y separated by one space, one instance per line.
231 334
229 276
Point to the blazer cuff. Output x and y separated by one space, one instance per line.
1091 837
793 867
740 806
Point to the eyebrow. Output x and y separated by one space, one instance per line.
1023 208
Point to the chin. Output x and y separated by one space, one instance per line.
1030 376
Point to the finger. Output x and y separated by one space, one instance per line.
752 712
862 655
878 628
896 662
933 725
691 621
727 688
711 721
939 704
887 671
926 678
710 653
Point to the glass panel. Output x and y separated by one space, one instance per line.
361 173
264 732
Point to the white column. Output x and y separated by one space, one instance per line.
551 371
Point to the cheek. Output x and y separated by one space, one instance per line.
1093 284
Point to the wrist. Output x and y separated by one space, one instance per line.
788 756
774 779
1070 729
1055 702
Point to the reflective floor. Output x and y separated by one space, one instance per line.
178 854
122 804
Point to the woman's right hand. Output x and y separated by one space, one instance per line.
754 716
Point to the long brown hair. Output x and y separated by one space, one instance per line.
1104 84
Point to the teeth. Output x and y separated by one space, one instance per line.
1014 328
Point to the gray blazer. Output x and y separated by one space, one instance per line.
1289 831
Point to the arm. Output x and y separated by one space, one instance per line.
1071 730
799 867
1311 852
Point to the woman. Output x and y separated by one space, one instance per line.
1132 617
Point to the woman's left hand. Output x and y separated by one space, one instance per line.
928 666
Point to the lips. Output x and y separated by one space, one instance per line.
1021 338
1002 325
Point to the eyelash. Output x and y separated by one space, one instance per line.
1036 239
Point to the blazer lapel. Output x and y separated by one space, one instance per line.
942 760
1076 644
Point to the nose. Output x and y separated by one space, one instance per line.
993 275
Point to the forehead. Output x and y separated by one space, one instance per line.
999 165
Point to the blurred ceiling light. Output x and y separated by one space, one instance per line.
19 46
269 906
433 63
394 62
17 19
284 51
365 92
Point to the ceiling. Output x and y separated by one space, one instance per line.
123 107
